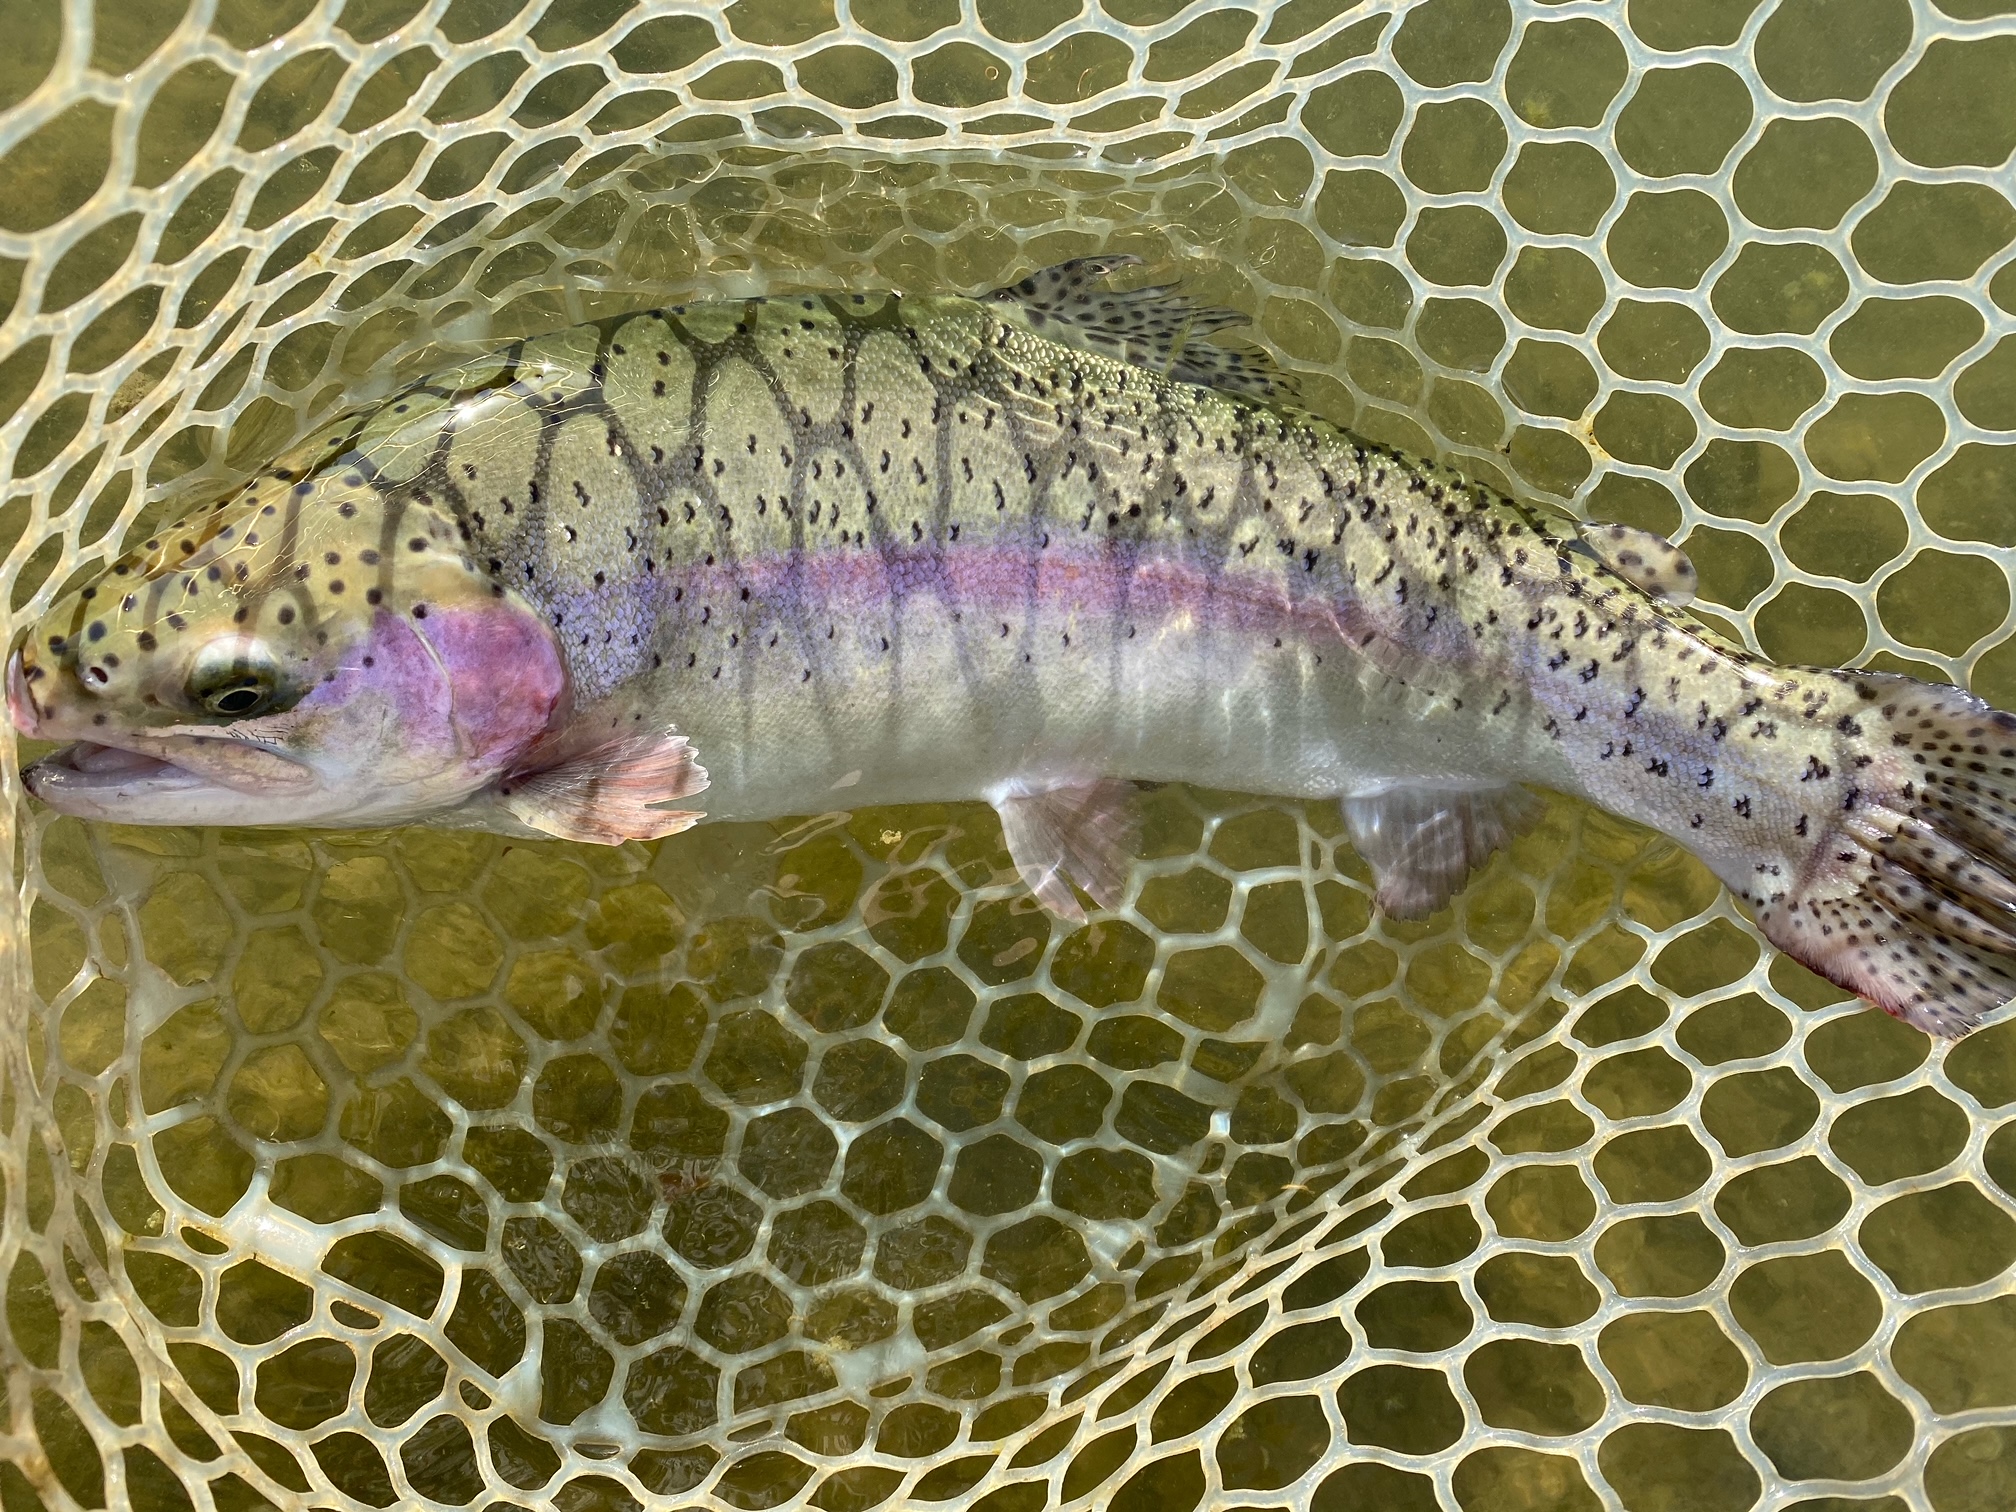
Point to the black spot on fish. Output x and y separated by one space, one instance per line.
286 615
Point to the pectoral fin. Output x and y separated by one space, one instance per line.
1648 561
605 786
1081 832
1423 842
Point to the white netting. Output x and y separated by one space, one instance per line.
799 1164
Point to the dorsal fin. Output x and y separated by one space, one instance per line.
1155 328
1645 560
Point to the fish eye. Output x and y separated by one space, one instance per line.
236 701
234 678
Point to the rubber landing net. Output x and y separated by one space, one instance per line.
806 1165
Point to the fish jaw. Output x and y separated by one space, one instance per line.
294 772
422 714
87 780
245 785
166 776
21 710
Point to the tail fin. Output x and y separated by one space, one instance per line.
1909 898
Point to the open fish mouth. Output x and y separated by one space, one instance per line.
91 764
102 774
91 780
21 709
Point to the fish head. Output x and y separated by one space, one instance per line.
306 653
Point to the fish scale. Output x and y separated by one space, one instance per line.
754 555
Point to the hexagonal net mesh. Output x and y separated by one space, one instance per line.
810 1164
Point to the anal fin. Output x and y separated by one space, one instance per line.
1071 832
1423 842
605 786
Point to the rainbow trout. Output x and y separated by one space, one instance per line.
771 556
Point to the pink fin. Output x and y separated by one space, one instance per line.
1423 842
1076 832
605 790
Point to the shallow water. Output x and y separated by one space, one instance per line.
441 1166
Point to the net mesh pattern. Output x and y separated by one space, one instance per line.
810 1164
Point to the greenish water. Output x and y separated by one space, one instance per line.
476 1165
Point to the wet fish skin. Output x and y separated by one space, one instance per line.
856 549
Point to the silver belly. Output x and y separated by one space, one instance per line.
954 709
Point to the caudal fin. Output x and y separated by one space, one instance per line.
1909 898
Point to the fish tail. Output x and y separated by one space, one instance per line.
1908 895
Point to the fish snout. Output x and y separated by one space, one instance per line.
21 710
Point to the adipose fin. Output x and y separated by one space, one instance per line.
1645 560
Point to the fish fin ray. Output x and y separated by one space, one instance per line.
1907 898
1156 327
1647 561
605 786
1073 832
1424 842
